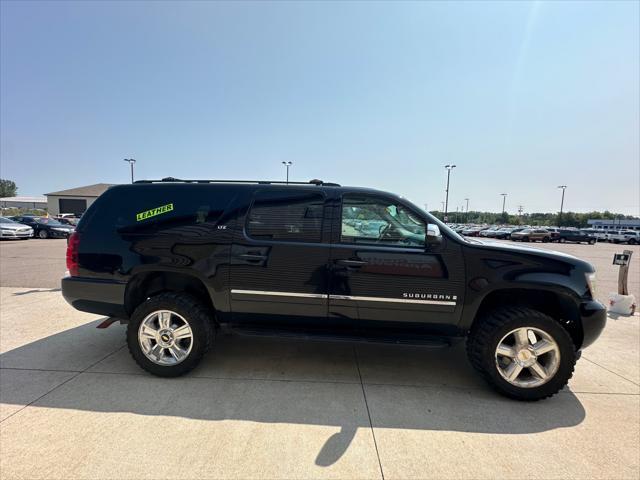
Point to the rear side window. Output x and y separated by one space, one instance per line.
151 208
289 216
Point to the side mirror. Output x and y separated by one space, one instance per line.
433 237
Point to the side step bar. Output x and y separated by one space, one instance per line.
427 341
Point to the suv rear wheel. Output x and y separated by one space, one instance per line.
169 334
522 353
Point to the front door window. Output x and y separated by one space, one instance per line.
372 220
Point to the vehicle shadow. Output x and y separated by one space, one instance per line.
284 381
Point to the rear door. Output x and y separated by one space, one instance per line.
279 259
382 273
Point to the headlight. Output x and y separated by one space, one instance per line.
591 283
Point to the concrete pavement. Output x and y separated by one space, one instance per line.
74 405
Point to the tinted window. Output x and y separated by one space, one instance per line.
291 216
49 221
378 221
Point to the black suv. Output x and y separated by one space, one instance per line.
574 236
177 259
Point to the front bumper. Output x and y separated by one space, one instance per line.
593 315
16 233
103 297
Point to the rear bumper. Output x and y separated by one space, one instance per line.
594 317
103 297
56 234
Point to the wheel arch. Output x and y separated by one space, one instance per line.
148 284
561 308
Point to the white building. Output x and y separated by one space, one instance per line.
24 202
74 200
617 224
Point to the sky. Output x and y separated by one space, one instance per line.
521 96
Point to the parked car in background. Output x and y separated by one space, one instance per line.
532 235
624 236
575 236
488 232
471 231
11 229
598 233
503 233
632 237
615 236
555 233
44 227
72 221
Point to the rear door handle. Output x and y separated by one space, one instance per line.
351 263
252 257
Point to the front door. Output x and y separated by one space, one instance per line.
279 260
382 272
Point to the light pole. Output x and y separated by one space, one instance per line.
504 200
446 200
563 187
287 164
466 217
131 161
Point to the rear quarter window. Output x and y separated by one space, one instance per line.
146 208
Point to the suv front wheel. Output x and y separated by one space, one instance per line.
522 353
169 334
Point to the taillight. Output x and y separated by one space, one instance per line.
72 254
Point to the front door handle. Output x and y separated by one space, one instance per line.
252 257
351 263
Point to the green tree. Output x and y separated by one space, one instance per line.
7 188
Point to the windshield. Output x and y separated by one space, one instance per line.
49 221
6 220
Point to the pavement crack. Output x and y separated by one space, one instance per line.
366 403
611 371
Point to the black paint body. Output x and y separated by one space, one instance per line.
203 246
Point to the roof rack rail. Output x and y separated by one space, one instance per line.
259 182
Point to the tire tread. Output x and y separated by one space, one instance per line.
197 311
479 340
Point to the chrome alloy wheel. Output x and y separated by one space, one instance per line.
165 337
527 357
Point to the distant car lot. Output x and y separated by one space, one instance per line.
548 234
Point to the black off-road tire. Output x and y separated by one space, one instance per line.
489 330
199 317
